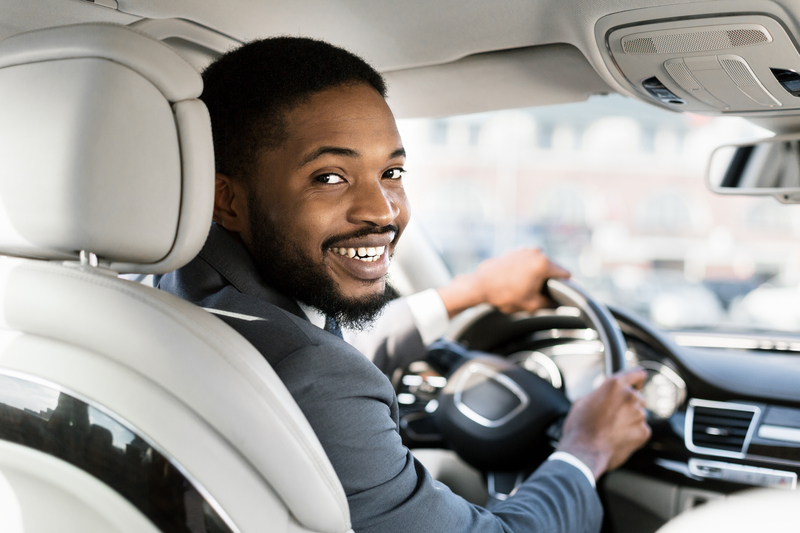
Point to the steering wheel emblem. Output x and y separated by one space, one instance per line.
488 397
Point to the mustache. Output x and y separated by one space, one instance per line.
363 232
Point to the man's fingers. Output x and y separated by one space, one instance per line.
539 301
640 398
556 271
635 377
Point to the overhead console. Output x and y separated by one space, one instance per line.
709 63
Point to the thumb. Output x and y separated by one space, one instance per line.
557 271
635 377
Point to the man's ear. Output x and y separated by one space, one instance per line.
230 204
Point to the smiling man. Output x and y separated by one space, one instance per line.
309 207
326 215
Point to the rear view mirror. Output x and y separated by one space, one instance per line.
769 167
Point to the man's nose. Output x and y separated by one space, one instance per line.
373 203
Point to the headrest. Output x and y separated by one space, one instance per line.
104 147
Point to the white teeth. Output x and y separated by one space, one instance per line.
368 255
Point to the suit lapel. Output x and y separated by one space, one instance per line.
228 257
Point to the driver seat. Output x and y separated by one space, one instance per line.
122 405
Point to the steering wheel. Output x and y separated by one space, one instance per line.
495 414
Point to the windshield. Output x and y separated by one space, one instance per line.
612 189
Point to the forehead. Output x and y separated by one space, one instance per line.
342 116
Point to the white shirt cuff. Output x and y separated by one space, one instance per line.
429 314
574 461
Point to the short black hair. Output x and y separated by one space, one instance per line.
249 89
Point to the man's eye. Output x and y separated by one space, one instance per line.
329 179
394 173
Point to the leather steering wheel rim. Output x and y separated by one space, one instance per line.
567 293
493 411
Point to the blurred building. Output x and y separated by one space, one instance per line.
611 188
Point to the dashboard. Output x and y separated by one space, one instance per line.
724 408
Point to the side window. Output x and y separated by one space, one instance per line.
57 423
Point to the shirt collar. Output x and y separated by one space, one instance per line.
315 316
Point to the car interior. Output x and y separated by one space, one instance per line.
124 408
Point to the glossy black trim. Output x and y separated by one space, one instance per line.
54 422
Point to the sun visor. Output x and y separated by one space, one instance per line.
709 64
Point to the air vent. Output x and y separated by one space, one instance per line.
696 40
724 429
720 428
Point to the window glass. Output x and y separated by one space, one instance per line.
613 189
57 423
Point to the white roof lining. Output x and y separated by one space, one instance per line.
25 15
397 35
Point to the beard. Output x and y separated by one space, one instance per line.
286 268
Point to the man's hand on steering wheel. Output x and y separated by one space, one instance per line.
606 426
512 282
602 429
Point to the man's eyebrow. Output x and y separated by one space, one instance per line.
324 150
346 152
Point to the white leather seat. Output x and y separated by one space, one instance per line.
106 155
768 510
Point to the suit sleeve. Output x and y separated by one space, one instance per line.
353 410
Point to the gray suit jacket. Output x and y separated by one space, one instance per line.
353 409
392 340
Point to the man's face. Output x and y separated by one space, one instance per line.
328 206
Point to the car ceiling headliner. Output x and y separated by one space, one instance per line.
392 35
412 33
400 35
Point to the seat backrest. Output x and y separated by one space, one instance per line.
106 167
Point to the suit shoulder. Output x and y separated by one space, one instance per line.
274 332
